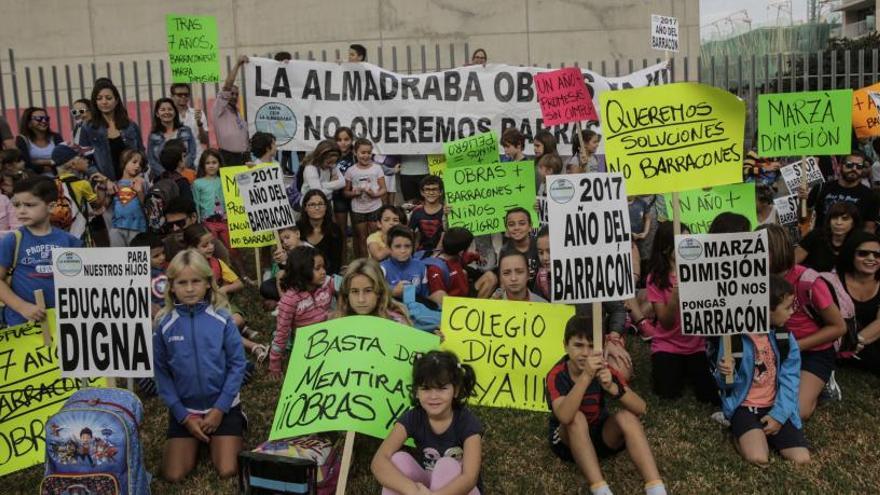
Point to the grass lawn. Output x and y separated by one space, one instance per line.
695 455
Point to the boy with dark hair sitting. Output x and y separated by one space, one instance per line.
581 428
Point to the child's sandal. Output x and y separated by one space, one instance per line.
260 352
249 334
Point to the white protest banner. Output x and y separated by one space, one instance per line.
664 33
103 324
590 246
791 174
303 102
264 198
786 209
723 283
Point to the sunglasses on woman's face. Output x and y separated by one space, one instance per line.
75 112
40 118
864 253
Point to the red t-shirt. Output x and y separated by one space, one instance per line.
801 324
458 279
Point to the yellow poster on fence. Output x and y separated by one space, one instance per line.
240 233
674 137
31 390
511 345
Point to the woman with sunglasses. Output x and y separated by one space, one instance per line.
81 113
110 131
848 187
37 140
167 126
859 270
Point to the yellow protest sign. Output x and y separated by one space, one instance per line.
674 137
437 165
31 390
240 233
511 345
865 119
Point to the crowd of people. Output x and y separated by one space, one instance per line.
373 239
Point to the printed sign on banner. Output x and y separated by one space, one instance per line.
240 233
193 49
791 174
511 345
808 123
479 195
475 150
102 301
436 165
675 138
723 283
699 207
786 209
664 33
590 246
563 97
865 120
350 373
265 201
408 114
31 390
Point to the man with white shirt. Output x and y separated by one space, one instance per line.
191 117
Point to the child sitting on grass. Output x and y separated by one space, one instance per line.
388 217
581 428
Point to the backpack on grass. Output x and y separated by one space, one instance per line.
93 447
308 464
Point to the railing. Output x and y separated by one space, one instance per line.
858 29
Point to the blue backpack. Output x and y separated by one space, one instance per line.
92 445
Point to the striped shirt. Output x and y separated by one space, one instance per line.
559 383
298 309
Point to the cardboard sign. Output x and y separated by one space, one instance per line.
351 373
675 138
102 301
240 233
791 174
193 48
265 201
480 195
590 239
475 150
786 209
436 165
512 345
865 120
664 33
31 390
723 283
699 207
563 97
808 123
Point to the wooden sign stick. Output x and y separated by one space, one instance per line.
598 335
676 214
727 342
259 278
346 462
804 211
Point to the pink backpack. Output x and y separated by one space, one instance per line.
845 345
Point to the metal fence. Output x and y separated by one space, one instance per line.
141 83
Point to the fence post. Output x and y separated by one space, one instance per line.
57 98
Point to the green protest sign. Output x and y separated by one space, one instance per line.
700 206
193 49
346 374
808 123
479 195
477 149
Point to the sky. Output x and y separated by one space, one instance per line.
710 10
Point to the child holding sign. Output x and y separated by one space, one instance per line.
762 402
581 428
449 460
27 254
200 365
308 292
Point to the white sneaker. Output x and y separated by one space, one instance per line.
719 418
832 391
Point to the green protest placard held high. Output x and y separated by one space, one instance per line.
809 123
193 49
699 207
479 195
475 150
348 374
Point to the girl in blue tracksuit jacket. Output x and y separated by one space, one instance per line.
762 402
199 365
